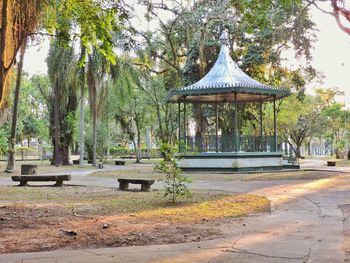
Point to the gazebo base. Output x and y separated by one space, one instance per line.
229 161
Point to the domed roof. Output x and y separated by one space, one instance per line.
224 80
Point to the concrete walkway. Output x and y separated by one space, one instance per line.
306 225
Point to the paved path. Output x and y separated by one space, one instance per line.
305 225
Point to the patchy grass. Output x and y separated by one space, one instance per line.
149 173
43 167
142 172
340 162
294 175
229 206
343 163
90 200
39 218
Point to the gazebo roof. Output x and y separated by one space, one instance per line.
223 81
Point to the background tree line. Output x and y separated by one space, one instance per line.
118 75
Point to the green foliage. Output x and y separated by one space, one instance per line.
95 21
175 181
4 135
30 128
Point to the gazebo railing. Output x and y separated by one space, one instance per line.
226 143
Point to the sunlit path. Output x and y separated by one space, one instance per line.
305 225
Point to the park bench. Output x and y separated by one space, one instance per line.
128 157
29 169
119 162
59 178
331 163
145 184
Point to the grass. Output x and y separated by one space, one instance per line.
78 200
229 206
340 162
43 167
149 173
295 175
141 172
90 200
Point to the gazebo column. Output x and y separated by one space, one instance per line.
274 124
217 129
261 127
236 126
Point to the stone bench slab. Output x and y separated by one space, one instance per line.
119 162
145 184
59 178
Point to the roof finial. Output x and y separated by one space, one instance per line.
224 37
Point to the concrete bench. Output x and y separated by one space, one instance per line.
29 169
23 179
331 163
119 162
145 184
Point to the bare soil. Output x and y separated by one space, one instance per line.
24 230
47 218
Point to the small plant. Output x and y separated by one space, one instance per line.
175 181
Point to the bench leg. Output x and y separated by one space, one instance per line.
145 188
22 183
123 185
58 183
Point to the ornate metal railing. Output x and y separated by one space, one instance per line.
227 143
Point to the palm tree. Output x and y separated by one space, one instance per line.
82 105
97 82
62 69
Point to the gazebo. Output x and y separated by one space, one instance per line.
227 83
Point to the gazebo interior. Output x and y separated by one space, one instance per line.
226 84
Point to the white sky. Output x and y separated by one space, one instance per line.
331 55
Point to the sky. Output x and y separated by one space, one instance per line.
331 55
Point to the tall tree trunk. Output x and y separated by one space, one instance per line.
297 151
138 150
94 133
12 139
82 107
94 127
81 124
57 160
309 147
92 85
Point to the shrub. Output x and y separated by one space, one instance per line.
175 181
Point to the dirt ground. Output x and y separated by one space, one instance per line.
42 218
48 218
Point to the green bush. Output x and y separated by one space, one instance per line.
175 181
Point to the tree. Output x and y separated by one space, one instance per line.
18 20
92 88
175 182
298 120
131 102
30 129
185 47
302 119
82 105
62 68
95 22
12 138
340 11
335 117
